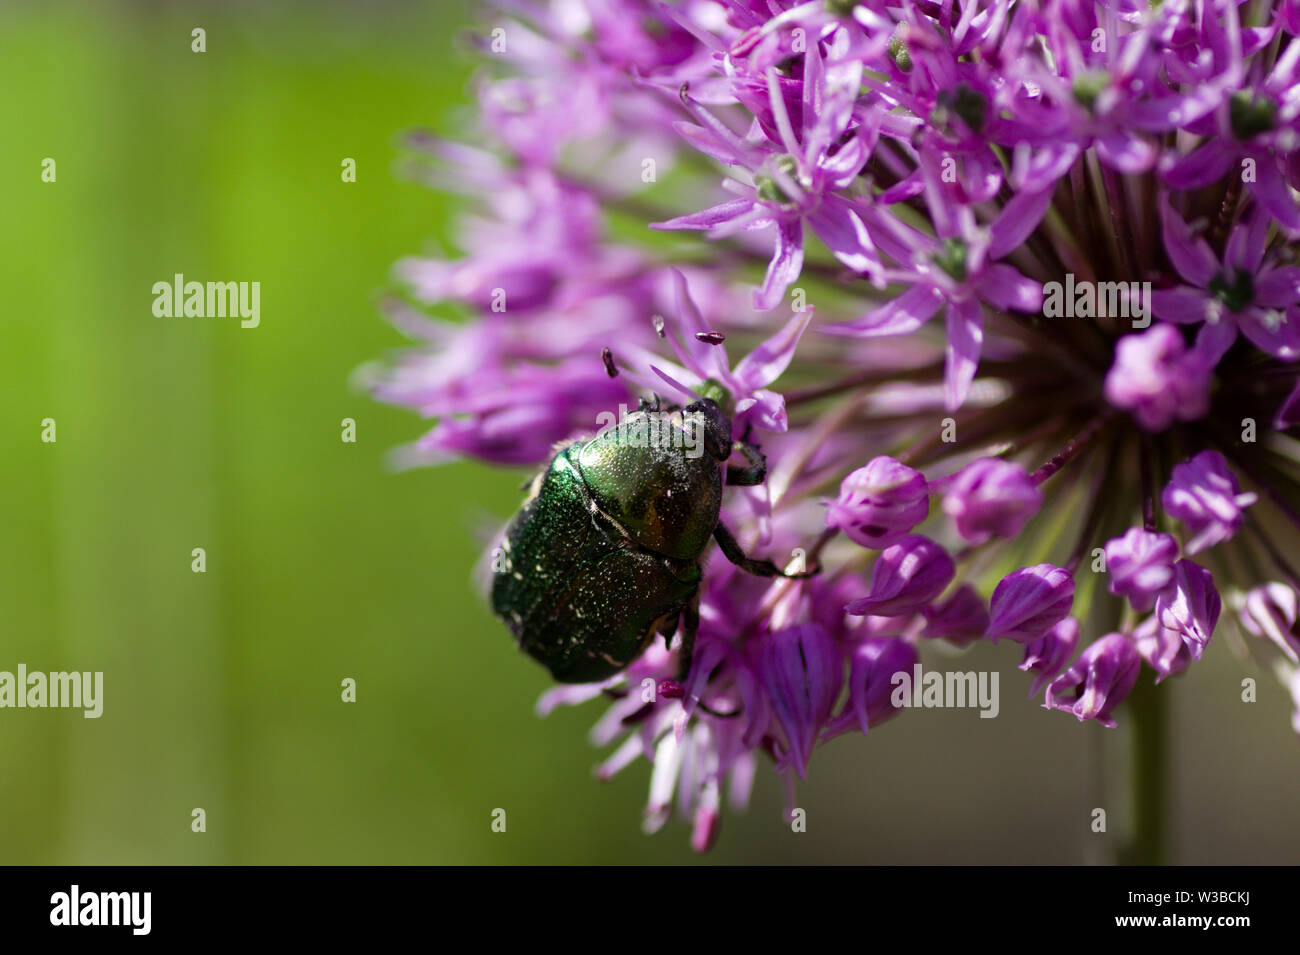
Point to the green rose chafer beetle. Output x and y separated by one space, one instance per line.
606 550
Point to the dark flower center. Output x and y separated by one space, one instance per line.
1236 293
1088 86
1250 116
766 188
969 104
951 257
841 8
898 53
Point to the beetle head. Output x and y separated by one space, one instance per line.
717 427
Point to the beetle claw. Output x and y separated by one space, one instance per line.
758 566
755 470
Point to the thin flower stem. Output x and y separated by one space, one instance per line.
1077 444
1121 225
1148 492
1068 251
798 396
1231 195
1279 561
1106 238
1096 510
919 453
1034 437
825 426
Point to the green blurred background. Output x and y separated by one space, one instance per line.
222 690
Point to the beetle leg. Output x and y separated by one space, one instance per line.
755 470
758 566
691 619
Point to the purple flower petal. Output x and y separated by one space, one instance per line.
1288 414
786 264
905 577
1204 495
1006 288
802 671
1028 602
1098 681
1018 221
766 362
1205 165
1278 288
880 503
1126 152
965 341
708 218
871 679
1190 606
1271 190
991 498
1141 565
901 315
1191 255
961 619
1049 654
1183 305
1271 612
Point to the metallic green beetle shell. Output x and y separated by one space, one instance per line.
579 595
652 476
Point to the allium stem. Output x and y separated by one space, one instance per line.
1148 487
1231 196
872 376
1283 566
1147 722
1120 224
1096 510
1076 444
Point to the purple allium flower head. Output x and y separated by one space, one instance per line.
1027 603
991 498
1158 379
905 578
1098 681
1271 611
1204 495
961 619
1141 565
890 163
802 671
1047 655
880 503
